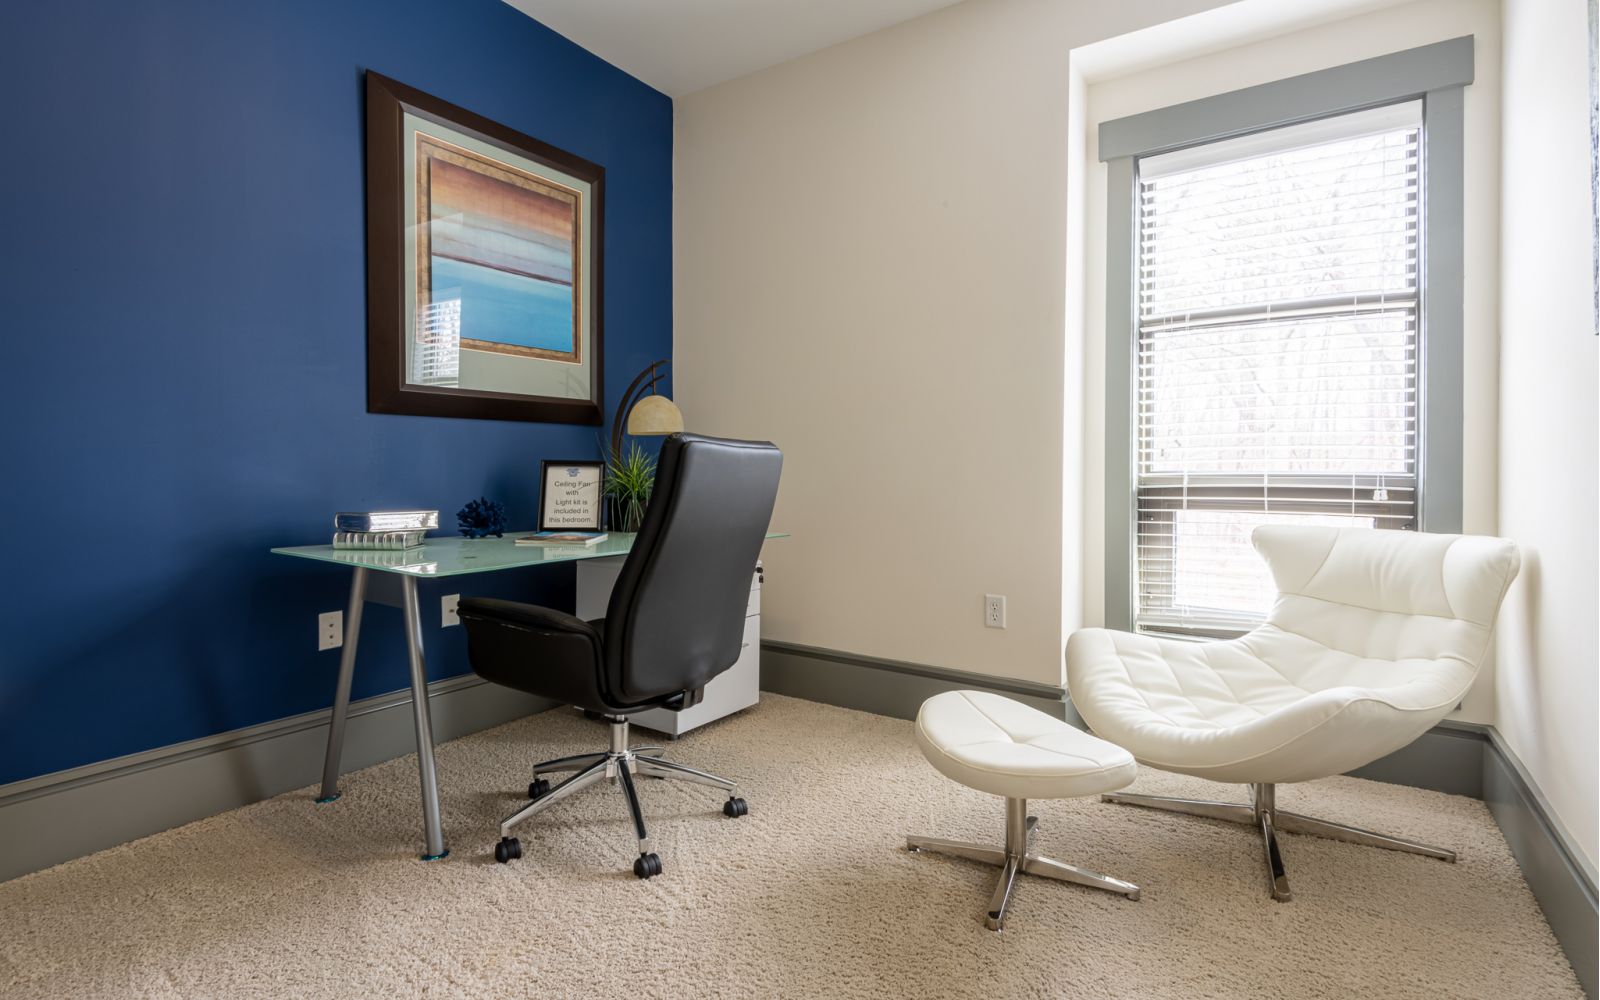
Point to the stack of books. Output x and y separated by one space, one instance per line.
382 529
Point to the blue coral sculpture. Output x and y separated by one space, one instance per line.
481 518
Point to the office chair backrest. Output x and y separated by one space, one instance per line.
1390 595
677 611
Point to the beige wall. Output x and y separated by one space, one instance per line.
880 265
1326 45
1546 682
888 261
871 270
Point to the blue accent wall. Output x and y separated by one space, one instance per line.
183 353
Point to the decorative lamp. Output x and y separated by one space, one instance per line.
643 411
654 415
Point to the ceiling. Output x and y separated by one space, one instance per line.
1223 26
680 46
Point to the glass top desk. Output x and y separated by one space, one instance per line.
396 585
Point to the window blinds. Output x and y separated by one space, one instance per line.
1277 354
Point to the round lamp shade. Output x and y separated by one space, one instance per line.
654 416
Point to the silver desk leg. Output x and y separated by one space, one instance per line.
341 692
433 835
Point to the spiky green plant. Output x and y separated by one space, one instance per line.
629 480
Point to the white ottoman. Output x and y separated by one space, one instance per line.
1005 748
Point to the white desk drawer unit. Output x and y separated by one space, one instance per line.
736 688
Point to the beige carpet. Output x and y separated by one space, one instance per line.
812 895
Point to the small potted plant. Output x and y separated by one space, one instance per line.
629 479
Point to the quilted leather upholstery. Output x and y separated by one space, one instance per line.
1002 747
1375 637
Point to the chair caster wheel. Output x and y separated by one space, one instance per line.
735 807
647 865
538 788
509 849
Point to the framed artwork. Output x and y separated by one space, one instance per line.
483 266
571 495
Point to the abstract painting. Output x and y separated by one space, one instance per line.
505 244
483 266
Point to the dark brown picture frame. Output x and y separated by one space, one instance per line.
388 390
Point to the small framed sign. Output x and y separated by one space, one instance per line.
570 495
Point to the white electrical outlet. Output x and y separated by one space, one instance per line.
330 630
447 610
994 610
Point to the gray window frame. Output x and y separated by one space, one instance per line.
1435 74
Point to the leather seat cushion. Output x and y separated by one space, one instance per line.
1272 706
1375 636
1003 747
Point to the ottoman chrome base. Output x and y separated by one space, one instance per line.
1015 857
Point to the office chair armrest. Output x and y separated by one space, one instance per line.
530 616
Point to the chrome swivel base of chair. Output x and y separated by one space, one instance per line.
1263 814
618 765
1015 857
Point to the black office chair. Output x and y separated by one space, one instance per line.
676 620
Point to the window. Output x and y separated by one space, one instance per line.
1277 316
1284 312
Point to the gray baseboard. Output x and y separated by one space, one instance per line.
1446 758
56 817
1561 879
887 687
1460 758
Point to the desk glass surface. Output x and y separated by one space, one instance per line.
447 556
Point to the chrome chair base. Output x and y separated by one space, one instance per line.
618 764
1015 857
1263 814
